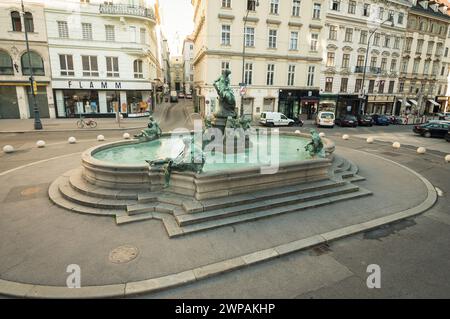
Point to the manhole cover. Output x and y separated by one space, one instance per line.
30 191
123 254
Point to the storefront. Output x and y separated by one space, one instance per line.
347 103
302 104
440 105
380 105
102 98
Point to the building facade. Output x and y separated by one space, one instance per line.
362 37
283 52
15 93
176 73
103 57
424 69
188 67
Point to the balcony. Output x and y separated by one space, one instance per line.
127 10
369 70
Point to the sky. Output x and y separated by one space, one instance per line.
177 22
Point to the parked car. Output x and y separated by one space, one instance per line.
444 116
380 119
392 119
365 120
432 129
325 119
298 121
189 96
347 120
275 119
173 97
180 95
447 136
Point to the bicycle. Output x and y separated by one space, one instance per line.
82 122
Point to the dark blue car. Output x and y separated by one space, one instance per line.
380 119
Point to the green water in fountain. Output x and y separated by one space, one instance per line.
288 149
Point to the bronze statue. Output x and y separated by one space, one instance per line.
227 101
152 131
315 147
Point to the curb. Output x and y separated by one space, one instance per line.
16 289
74 130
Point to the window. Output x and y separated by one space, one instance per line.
66 64
393 65
387 41
274 6
226 3
400 18
371 86
90 66
366 10
442 70
404 66
143 34
314 41
401 86
344 84
373 62
345 60
408 44
419 46
363 37
226 34
430 47
336 5
137 69
333 32
296 8
133 37
251 5
381 86
397 43
293 44
270 73
310 79
348 35
109 31
383 64
380 13
330 59
426 67
446 52
360 61
112 66
328 84
352 7
358 85
391 87
376 39
316 11
37 65
291 75
248 73
87 31
63 31
16 23
416 66
225 66
28 21
249 36
6 65
391 15
272 39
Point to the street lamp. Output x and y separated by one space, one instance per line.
363 93
256 4
33 87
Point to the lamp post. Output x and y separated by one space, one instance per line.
256 3
33 87
360 106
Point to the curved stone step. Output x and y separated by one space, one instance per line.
263 205
193 206
71 194
211 224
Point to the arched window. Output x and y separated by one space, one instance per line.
16 23
28 22
137 67
37 64
6 65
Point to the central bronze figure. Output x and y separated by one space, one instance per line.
227 101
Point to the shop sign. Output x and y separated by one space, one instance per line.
100 85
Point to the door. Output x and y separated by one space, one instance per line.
283 120
9 108
41 101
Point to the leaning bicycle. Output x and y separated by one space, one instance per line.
82 123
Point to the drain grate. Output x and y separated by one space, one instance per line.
123 254
321 249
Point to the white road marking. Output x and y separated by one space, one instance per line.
439 191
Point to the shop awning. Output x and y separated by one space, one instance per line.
413 102
406 102
434 102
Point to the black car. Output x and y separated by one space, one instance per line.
432 129
380 119
365 120
447 136
346 120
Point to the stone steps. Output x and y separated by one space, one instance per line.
264 204
211 224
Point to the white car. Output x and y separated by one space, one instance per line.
325 119
275 119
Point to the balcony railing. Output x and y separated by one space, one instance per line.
369 69
129 10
